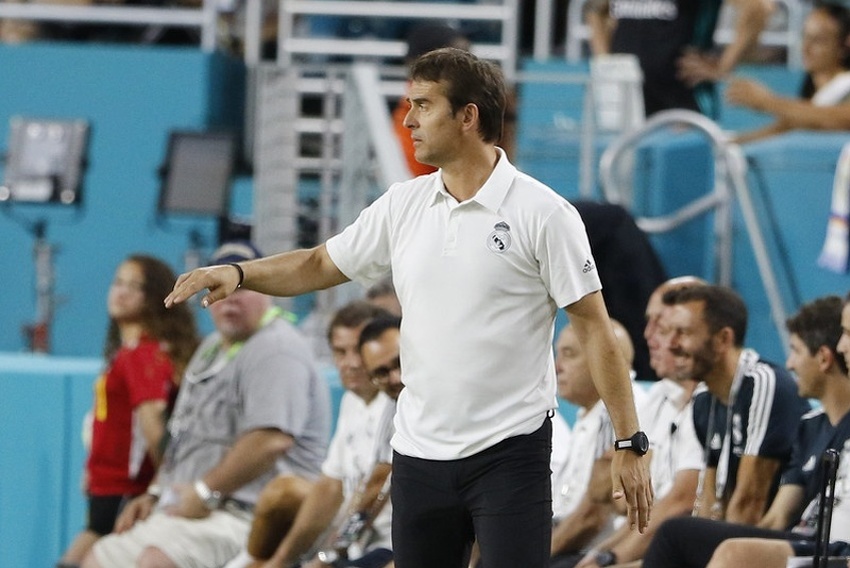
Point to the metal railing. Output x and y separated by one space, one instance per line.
203 18
291 46
730 186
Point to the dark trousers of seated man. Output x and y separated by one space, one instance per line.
689 542
501 496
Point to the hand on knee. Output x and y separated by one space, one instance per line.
153 557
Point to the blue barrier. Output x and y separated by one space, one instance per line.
42 404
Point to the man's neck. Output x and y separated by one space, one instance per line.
367 397
588 405
836 400
719 381
688 387
131 333
466 174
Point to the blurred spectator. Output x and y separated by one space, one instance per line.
824 101
666 413
673 41
349 455
582 507
747 417
383 295
817 342
147 348
252 406
362 539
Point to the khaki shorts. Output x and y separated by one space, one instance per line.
189 543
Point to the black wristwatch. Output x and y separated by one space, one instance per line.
606 557
638 443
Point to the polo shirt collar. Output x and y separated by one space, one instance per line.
492 194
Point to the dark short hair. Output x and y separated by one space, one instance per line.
376 328
384 287
355 314
234 251
428 36
467 80
818 324
722 307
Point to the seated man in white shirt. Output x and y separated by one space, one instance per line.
582 507
350 456
676 454
362 538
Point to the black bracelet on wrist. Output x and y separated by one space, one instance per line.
240 271
606 558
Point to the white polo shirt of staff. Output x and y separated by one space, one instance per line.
668 422
479 283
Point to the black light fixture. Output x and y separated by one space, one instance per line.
45 160
197 173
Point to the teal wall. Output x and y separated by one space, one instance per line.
133 96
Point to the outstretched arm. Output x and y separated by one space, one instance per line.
598 17
789 112
286 274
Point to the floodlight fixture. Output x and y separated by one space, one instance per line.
45 160
197 173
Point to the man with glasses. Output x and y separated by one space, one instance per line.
251 406
361 540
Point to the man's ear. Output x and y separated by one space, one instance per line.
724 339
825 358
470 116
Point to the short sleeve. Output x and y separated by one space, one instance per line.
362 250
567 267
275 393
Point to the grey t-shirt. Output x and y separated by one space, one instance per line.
271 381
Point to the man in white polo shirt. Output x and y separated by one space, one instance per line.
482 257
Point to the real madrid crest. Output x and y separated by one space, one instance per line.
500 239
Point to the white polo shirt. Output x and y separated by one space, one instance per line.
351 455
479 284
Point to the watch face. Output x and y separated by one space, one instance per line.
327 556
641 442
605 558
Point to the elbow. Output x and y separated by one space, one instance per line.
760 11
595 519
275 444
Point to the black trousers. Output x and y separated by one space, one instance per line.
501 496
689 542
